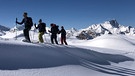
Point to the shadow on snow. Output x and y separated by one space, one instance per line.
13 57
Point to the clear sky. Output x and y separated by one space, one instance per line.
69 13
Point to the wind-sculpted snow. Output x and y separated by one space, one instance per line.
117 42
30 56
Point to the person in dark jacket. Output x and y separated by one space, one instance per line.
53 31
63 35
28 24
42 29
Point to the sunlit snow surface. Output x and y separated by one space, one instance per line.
106 55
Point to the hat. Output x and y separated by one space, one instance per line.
52 24
40 20
25 13
62 27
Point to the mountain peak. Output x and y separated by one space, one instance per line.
73 29
113 23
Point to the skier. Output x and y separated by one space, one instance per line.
42 29
28 24
63 35
54 30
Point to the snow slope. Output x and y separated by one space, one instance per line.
59 60
117 42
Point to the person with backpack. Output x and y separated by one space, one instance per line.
54 31
42 29
28 23
63 35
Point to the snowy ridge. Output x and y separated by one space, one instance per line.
111 26
108 27
72 32
117 42
112 42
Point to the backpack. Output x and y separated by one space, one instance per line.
54 28
30 22
42 27
64 32
57 28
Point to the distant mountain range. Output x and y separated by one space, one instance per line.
108 27
3 29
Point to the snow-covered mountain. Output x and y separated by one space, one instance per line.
3 29
111 26
72 32
2 33
108 27
18 28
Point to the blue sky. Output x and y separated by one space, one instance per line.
69 13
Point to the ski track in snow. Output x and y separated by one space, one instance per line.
102 65
109 69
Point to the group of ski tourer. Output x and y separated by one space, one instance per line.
27 21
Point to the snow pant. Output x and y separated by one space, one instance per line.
54 37
63 39
26 34
40 37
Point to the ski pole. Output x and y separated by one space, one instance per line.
34 31
16 29
30 35
49 36
45 38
